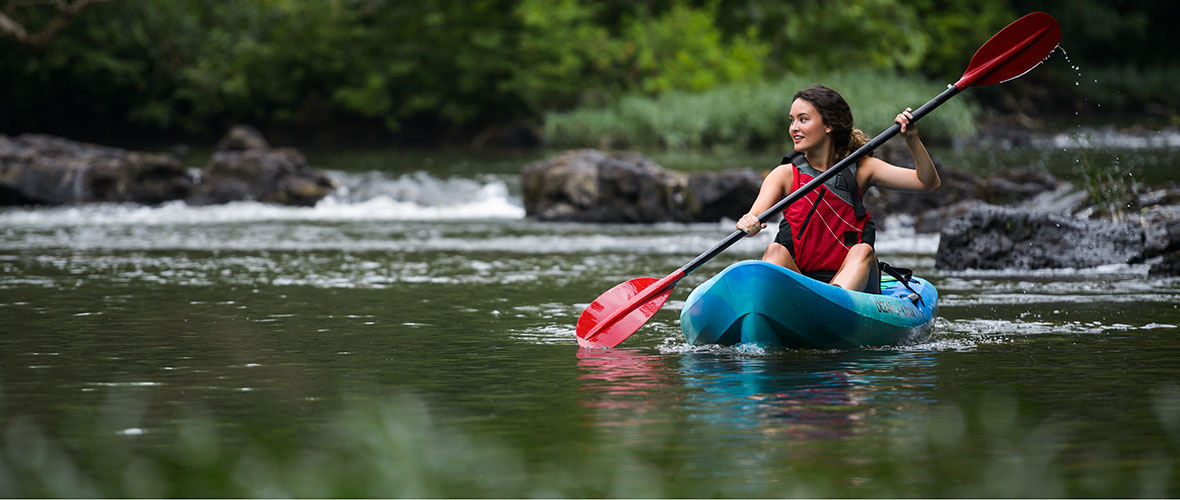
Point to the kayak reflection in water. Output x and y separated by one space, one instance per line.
827 234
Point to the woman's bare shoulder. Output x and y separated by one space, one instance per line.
782 173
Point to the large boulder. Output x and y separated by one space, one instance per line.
40 169
1056 235
1161 228
245 167
715 196
592 186
992 237
1166 265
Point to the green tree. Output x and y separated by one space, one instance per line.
563 56
683 49
458 69
926 36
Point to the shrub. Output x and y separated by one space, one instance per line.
752 114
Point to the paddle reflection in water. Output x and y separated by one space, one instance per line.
627 386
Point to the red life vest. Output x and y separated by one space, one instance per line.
828 221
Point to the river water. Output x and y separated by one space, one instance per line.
414 336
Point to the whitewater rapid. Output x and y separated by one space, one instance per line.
369 196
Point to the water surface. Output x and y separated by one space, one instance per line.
414 336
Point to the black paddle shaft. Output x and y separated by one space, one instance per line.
737 234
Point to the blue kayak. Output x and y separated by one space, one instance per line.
755 302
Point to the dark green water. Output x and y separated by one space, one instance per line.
416 338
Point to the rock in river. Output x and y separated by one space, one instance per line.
44 170
39 169
245 167
593 186
993 237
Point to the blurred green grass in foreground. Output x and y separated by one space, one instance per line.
397 447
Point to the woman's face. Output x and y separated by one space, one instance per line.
807 126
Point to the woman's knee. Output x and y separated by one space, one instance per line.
776 253
862 251
774 250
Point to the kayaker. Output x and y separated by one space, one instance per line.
827 235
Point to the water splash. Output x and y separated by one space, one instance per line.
1112 188
1077 71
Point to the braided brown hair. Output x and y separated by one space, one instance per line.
836 114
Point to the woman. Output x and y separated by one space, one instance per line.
827 235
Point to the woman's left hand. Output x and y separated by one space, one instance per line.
905 119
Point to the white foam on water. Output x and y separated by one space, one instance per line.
362 197
548 334
675 344
990 331
124 384
1112 271
949 344
1030 298
949 335
902 239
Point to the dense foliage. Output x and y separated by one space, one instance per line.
421 71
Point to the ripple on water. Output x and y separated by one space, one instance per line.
672 345
948 335
547 334
997 330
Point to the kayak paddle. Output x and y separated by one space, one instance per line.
1014 51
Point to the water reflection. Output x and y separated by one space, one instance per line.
628 385
819 396
809 395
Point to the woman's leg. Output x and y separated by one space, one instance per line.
860 265
776 253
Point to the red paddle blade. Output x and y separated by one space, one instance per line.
1014 51
620 311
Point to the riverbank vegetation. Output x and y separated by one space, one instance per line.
519 71
751 114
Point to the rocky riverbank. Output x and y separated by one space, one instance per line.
45 170
985 223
